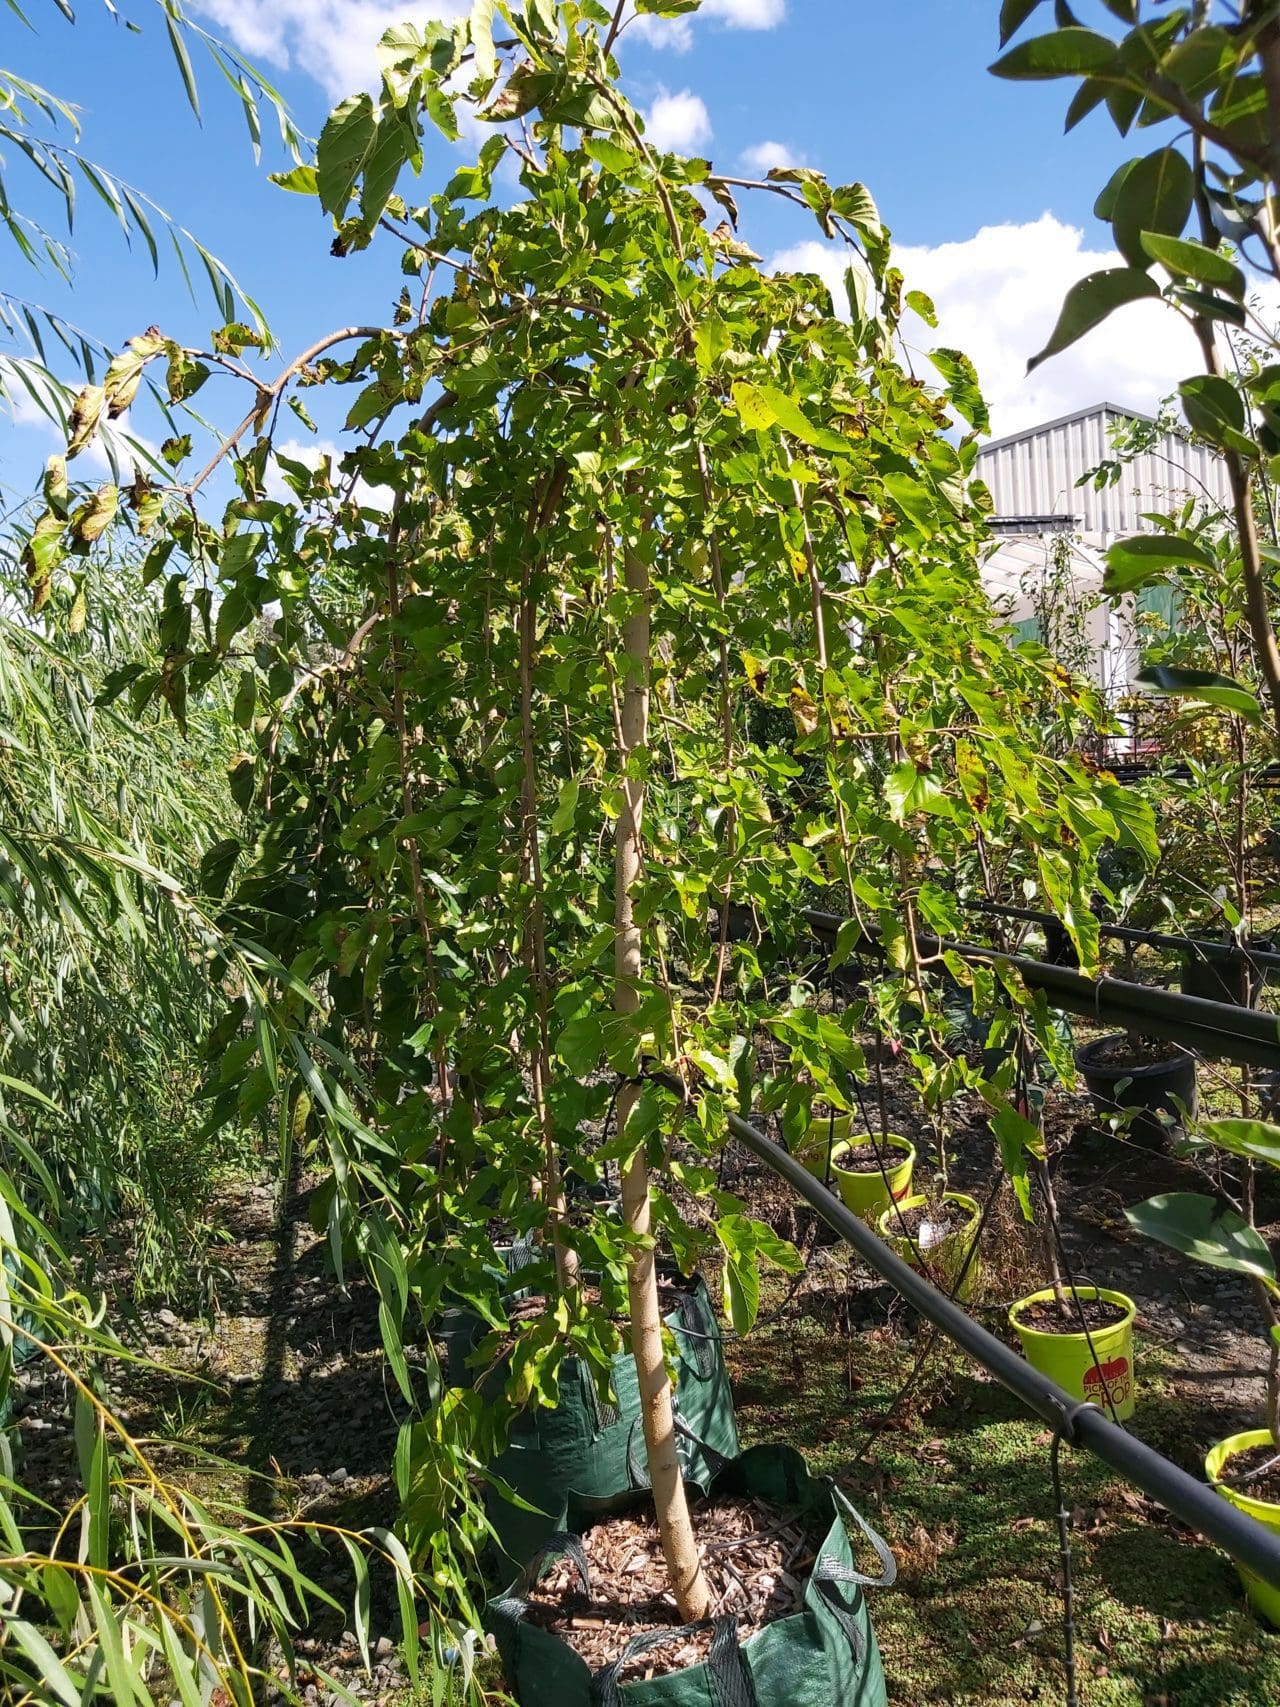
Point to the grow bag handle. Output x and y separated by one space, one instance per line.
557 1546
636 1466
831 1570
731 1681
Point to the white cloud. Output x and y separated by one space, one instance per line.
334 41
677 123
677 33
763 157
746 14
998 294
673 33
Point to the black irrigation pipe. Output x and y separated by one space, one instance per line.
1192 1502
1205 948
1216 1030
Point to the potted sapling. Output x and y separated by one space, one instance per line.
1143 1085
1244 1467
1080 1336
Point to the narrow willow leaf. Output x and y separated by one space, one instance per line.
184 62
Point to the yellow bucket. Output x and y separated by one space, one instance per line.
820 1136
946 1259
1265 1599
867 1193
1068 1359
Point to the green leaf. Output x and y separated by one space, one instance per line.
184 62
1258 1139
1089 302
1133 562
1018 1139
566 807
1215 410
765 406
1013 15
1191 1223
303 180
344 146
1073 52
1205 685
1155 194
909 791
963 386
1186 259
611 155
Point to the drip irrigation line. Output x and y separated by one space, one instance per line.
1204 947
1194 1503
1218 1030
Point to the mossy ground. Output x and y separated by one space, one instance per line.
959 1482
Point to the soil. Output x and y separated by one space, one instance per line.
1255 1472
943 1220
756 1556
866 1157
1049 1317
1130 1051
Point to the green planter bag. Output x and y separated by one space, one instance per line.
823 1656
586 1457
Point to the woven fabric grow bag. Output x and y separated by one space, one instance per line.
586 1456
823 1656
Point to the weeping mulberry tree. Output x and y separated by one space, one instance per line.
614 501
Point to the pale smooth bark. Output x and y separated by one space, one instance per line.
679 1547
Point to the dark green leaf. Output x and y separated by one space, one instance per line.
1190 260
1089 302
1189 1222
1072 52
1205 685
1013 15
1215 409
1133 562
1155 194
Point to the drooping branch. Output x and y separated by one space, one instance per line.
545 503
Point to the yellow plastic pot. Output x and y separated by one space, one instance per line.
867 1194
1068 1360
820 1135
945 1261
1265 1599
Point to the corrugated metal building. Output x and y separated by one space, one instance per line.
1033 479
1033 474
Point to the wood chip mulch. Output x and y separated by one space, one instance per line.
757 1558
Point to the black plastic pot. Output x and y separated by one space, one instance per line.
1214 980
1149 1088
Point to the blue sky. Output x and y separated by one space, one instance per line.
988 201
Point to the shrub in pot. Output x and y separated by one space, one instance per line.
1245 1467
938 1237
1144 1084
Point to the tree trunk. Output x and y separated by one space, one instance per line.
678 1545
